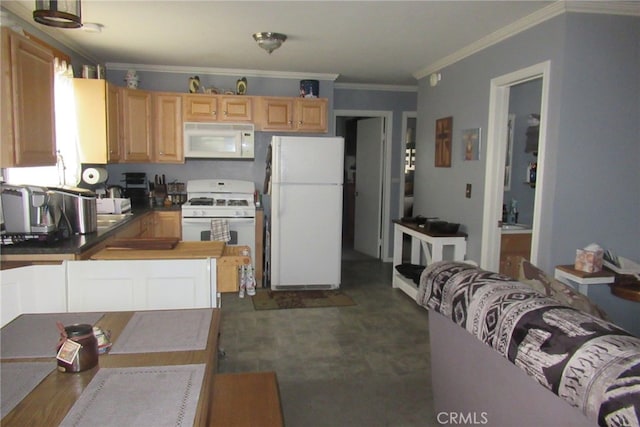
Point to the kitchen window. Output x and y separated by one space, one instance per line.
67 169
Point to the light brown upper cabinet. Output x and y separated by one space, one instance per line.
168 147
115 134
276 113
311 114
200 108
218 108
136 125
98 117
235 108
292 114
27 111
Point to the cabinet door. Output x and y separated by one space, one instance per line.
136 118
167 224
91 113
138 285
200 108
24 291
276 114
236 108
168 128
513 247
28 120
114 124
311 115
146 225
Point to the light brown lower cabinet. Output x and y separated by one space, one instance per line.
512 248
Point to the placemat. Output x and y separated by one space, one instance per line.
148 396
36 335
167 330
18 379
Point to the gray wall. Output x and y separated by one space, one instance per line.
377 100
593 144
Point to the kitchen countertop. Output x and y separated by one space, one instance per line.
76 244
183 250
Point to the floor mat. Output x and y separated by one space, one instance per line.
275 300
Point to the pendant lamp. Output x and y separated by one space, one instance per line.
60 14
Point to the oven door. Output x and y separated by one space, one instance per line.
245 229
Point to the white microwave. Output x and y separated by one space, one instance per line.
219 140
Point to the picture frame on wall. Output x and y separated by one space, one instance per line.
471 140
444 127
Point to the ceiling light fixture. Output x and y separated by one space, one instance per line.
60 14
269 41
92 27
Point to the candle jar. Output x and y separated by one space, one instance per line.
87 356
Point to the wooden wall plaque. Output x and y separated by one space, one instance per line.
443 142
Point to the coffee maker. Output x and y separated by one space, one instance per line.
26 210
136 188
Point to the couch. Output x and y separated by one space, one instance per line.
506 354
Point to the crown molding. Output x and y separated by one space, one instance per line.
366 86
536 18
220 71
629 8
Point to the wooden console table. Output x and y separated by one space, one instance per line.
426 248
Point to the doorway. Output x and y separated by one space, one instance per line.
375 184
497 134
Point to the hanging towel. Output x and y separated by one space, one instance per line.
220 230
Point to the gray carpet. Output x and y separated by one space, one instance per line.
362 365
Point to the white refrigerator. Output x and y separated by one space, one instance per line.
306 212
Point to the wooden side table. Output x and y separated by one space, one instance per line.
627 287
580 279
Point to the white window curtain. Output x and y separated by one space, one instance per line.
67 169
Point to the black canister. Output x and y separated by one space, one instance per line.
87 356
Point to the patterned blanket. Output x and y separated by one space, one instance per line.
592 364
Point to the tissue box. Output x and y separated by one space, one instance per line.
588 261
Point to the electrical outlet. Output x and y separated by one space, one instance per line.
467 192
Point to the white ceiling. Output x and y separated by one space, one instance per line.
365 42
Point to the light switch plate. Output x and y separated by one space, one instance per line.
467 192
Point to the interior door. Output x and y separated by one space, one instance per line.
367 232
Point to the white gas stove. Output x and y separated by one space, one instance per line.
215 199
219 198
